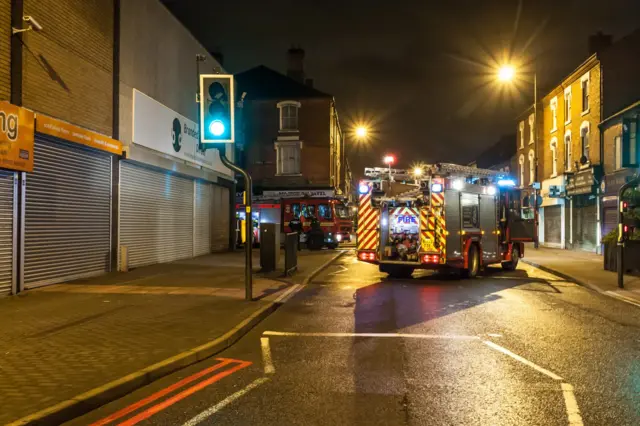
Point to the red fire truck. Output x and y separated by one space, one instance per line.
334 217
451 217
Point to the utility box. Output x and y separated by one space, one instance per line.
269 246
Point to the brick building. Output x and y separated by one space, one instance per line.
291 133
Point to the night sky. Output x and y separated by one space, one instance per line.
420 72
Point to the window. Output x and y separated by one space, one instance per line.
554 157
324 211
288 157
584 141
633 136
521 169
567 105
531 129
295 209
584 83
567 151
617 152
554 114
289 116
532 166
521 134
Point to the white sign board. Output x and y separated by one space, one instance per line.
162 129
313 193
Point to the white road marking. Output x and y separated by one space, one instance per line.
266 356
402 335
622 298
573 412
340 271
536 367
494 335
228 400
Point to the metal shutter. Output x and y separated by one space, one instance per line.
156 215
585 227
610 220
220 220
202 226
553 224
67 214
7 231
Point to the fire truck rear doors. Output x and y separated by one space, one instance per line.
520 219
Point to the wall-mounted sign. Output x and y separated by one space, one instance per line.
16 138
583 182
162 129
312 193
63 130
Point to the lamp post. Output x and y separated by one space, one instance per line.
389 160
507 73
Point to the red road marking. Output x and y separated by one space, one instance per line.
133 407
185 393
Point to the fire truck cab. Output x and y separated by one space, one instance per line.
332 215
451 217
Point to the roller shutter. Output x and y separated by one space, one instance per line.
7 231
156 215
553 224
610 220
585 227
204 210
67 214
220 220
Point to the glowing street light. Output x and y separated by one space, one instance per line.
506 73
389 160
417 172
361 132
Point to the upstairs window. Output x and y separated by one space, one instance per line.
289 116
554 157
584 83
288 157
531 129
532 167
617 152
584 140
567 151
554 114
521 128
567 105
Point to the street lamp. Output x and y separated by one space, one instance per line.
389 160
507 73
361 132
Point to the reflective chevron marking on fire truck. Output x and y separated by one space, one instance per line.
368 219
434 233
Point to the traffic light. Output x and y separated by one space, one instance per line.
624 206
217 108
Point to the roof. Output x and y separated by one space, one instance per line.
264 83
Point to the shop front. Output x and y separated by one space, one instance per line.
552 213
16 159
174 199
67 211
610 187
584 220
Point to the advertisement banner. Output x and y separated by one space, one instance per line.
63 130
160 128
16 138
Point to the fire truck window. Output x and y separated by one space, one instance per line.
342 211
324 211
295 208
308 210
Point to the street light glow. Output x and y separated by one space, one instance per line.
506 73
417 172
389 159
361 132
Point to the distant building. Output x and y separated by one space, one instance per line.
291 136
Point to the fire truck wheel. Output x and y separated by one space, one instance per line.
474 263
513 263
332 246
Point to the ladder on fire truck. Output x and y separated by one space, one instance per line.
430 170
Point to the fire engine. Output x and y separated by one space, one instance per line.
451 217
334 217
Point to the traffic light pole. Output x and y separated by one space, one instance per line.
248 224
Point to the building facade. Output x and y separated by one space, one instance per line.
292 135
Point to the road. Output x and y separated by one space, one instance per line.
354 347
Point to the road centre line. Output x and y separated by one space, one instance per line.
401 335
573 412
266 356
146 401
228 400
184 394
536 367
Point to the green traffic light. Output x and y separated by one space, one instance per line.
216 127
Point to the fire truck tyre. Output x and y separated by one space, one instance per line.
332 246
513 263
474 263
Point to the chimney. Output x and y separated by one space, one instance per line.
309 82
599 42
295 64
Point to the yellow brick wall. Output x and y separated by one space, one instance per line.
68 67
574 125
5 50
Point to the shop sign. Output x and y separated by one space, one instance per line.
16 138
162 129
612 182
583 182
69 132
312 193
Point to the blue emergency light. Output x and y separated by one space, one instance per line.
436 187
363 188
506 182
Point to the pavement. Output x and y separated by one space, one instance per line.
355 347
584 268
76 345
